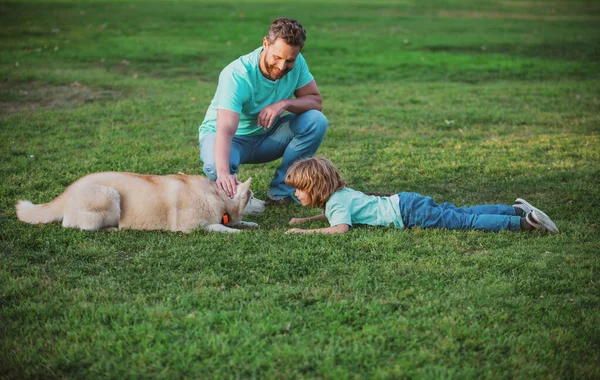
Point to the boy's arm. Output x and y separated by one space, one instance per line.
309 219
337 229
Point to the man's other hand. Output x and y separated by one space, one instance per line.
268 115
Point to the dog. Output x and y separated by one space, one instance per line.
119 200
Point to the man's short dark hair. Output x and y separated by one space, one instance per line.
291 31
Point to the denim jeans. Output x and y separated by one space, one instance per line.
422 211
293 137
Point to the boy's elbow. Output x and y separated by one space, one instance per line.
342 228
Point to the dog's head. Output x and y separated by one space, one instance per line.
248 204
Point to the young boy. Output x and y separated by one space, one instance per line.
318 183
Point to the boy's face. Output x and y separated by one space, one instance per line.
302 197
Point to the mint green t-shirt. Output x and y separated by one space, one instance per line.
243 89
347 206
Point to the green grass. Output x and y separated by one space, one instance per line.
469 102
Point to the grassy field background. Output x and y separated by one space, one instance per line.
469 102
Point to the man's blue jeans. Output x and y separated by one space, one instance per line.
422 211
293 137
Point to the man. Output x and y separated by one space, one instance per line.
245 122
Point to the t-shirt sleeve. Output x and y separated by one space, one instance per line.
338 213
231 91
304 76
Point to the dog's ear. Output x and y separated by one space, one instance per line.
244 187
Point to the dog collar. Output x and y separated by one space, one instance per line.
225 219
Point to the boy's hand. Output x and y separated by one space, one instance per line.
297 220
309 219
295 231
337 229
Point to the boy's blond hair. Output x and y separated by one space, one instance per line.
317 177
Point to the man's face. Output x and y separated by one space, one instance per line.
278 58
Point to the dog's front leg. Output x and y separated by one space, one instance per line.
220 228
110 229
241 223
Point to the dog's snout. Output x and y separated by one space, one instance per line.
255 206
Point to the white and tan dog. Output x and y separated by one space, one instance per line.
112 200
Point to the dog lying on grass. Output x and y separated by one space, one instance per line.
112 200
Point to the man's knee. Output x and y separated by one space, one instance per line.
316 122
209 170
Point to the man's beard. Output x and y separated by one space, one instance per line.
273 71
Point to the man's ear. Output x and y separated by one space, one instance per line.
265 42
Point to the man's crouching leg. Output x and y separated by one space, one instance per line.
308 130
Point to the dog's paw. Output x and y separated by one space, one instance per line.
221 228
248 224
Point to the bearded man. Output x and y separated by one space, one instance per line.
245 122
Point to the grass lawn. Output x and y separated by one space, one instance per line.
470 102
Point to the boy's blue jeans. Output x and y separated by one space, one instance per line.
293 137
422 211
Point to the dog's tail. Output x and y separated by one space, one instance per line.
42 213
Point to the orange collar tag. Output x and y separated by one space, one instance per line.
225 220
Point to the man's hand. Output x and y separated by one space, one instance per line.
269 114
228 183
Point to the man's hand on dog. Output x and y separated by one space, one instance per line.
228 183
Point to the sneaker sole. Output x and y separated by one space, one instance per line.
530 208
543 220
524 205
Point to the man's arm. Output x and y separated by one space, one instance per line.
306 98
227 124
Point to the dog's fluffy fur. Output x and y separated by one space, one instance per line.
112 200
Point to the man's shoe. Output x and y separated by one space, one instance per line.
289 200
541 221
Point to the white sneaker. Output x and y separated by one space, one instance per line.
527 207
524 206
540 221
